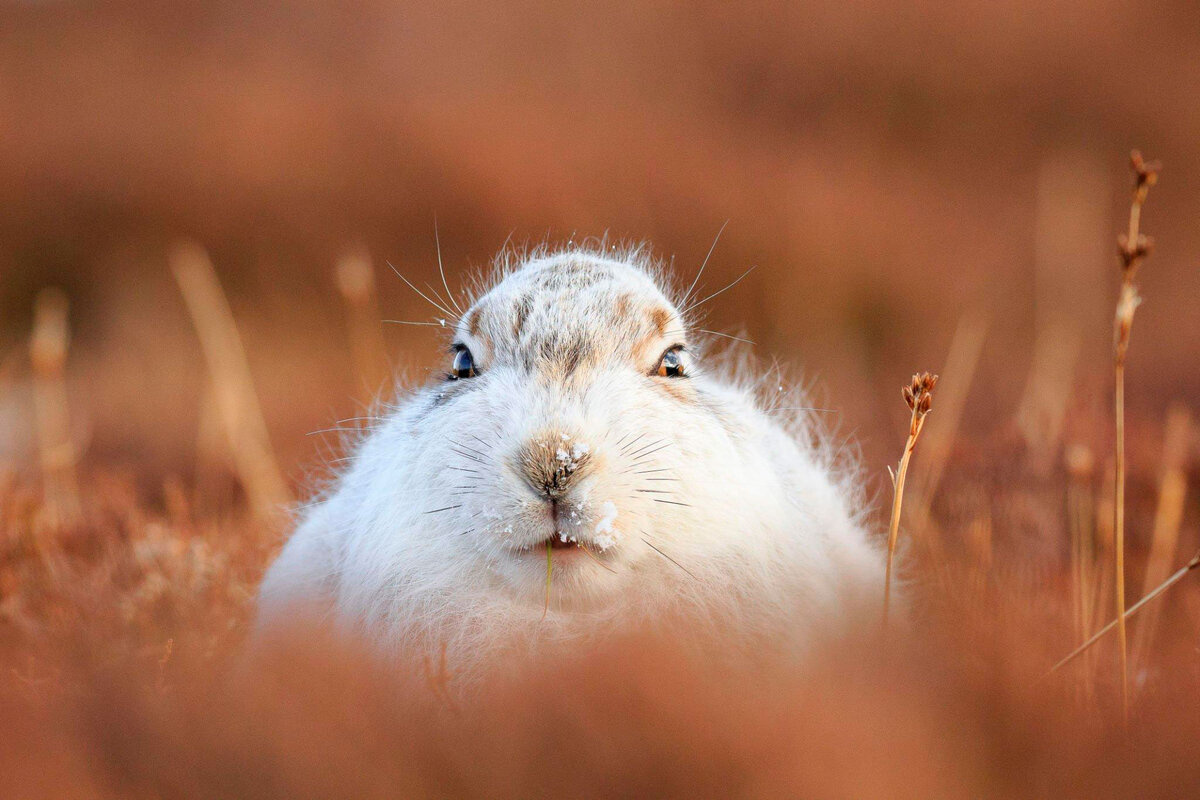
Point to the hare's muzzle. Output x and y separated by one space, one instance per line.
552 462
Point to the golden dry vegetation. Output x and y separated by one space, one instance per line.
196 206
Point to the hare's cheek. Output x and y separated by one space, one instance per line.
680 391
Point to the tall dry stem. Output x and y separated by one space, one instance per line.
1119 622
1069 232
48 352
355 278
966 346
1172 493
918 395
1081 516
1133 248
232 384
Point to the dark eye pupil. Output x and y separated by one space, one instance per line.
672 365
464 364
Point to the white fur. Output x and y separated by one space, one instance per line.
754 525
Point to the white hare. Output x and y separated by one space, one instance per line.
578 429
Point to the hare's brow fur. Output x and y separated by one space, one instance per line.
514 257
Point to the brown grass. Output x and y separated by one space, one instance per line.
57 453
121 634
1134 247
1168 519
881 189
919 397
355 277
231 383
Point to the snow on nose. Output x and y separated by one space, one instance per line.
552 461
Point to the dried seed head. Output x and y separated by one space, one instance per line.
1132 253
922 383
1145 172
918 396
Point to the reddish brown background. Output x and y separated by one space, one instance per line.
884 164
897 172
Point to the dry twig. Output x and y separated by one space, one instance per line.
1133 609
919 397
1133 248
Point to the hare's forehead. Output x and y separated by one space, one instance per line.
575 303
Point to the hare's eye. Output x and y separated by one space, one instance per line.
673 363
464 364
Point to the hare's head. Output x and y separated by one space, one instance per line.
575 424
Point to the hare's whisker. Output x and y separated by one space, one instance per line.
467 453
641 450
594 557
488 445
688 294
652 452
438 306
724 335
635 441
437 241
738 280
668 558
622 440
339 429
409 322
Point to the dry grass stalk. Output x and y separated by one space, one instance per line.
966 346
355 278
980 537
232 385
919 397
48 347
1133 609
1081 517
1101 588
1172 492
1069 231
1133 248
214 462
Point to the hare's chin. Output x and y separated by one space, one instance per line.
583 560
559 547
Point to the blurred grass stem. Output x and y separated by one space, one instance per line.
232 384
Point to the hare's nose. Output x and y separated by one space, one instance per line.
552 461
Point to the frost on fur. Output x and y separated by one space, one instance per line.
581 419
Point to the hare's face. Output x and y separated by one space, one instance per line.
573 427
